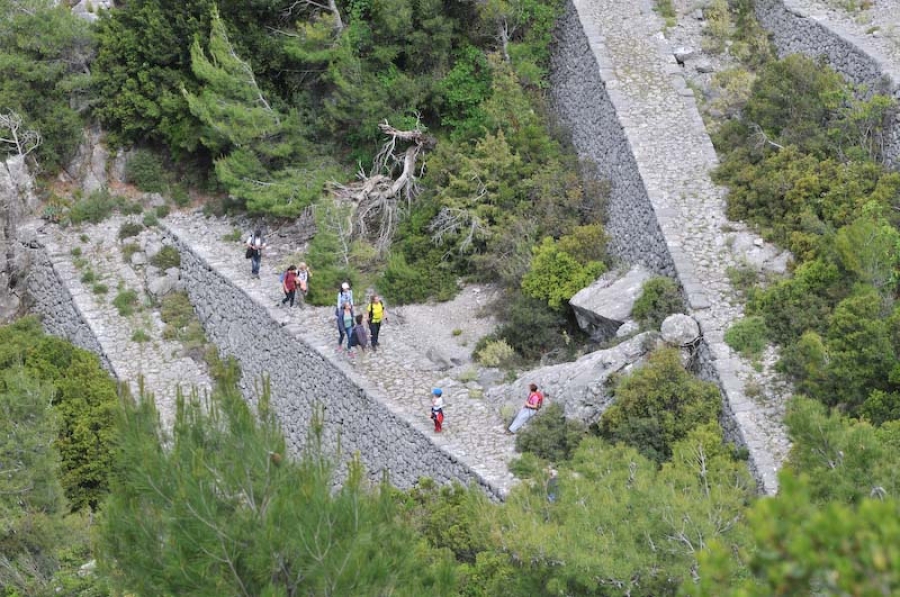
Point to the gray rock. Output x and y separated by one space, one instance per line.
153 200
680 330
704 66
162 286
682 53
17 201
138 258
627 329
698 14
120 163
604 305
580 387
439 360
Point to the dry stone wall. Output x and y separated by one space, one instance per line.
303 380
619 91
809 28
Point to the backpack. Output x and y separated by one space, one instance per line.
282 276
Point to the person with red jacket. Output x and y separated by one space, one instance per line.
532 405
289 285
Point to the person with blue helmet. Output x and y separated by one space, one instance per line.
437 409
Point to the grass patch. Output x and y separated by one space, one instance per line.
94 209
233 236
100 288
140 336
748 337
76 252
182 324
167 257
130 229
88 277
126 302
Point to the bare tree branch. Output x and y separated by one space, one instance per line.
21 141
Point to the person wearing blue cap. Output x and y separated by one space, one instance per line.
437 409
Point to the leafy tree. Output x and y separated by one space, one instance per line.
658 405
841 459
618 525
263 148
802 548
217 506
44 55
555 275
84 399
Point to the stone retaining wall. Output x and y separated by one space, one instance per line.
301 379
52 300
795 30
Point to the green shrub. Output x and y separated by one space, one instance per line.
181 321
129 250
167 257
551 436
125 302
88 277
84 238
127 207
660 297
144 170
415 282
531 327
149 220
94 209
555 276
162 211
76 252
99 289
748 336
130 229
180 196
658 405
140 336
496 354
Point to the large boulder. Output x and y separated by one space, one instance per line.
88 167
17 202
607 303
582 386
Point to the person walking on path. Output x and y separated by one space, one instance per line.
531 407
359 335
289 285
376 315
345 326
303 275
255 245
344 300
437 409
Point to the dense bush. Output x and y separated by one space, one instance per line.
531 327
129 229
167 257
658 404
144 169
748 336
98 206
125 302
660 297
496 353
556 275
550 435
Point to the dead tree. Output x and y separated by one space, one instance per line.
379 197
19 141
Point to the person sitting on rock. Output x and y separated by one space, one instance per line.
531 407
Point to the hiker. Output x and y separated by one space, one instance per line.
345 325
376 315
303 275
437 409
344 297
531 407
255 245
359 336
289 285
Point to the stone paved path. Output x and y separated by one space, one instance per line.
160 362
401 374
674 156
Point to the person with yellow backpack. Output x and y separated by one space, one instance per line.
376 314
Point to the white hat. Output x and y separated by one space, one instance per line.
345 286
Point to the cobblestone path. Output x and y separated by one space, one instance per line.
401 374
91 255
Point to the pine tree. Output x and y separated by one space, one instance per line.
216 508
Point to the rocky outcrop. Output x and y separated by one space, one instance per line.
17 201
581 387
607 303
88 167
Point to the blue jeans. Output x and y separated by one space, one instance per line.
255 260
524 415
